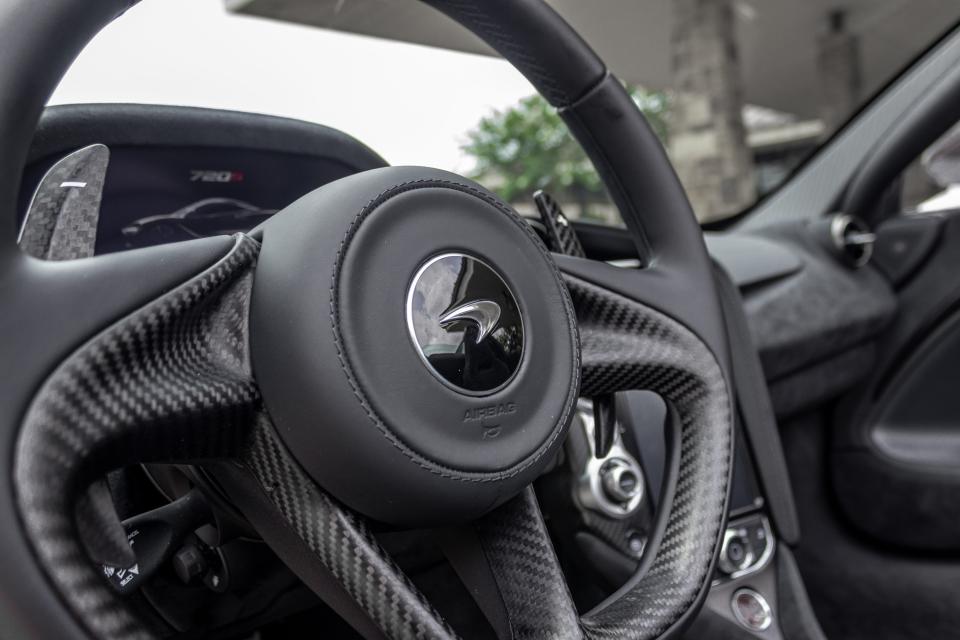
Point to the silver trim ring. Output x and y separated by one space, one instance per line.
767 613
849 232
411 331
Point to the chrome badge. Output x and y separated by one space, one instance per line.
465 323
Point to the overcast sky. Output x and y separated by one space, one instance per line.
412 104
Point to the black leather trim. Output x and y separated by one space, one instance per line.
356 385
535 40
344 446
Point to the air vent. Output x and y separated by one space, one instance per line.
851 239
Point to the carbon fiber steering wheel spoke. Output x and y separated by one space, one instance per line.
628 345
171 382
331 548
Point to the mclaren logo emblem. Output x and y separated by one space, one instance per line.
484 313
465 323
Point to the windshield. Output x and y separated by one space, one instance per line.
739 91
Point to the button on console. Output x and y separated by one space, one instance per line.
751 610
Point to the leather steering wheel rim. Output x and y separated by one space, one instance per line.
667 312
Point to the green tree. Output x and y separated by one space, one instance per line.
528 147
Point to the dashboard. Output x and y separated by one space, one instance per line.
180 173
153 195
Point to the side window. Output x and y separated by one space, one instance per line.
932 181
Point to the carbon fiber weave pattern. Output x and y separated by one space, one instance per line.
627 345
617 533
560 235
62 219
170 382
528 575
342 543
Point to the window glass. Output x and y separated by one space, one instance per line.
739 91
932 181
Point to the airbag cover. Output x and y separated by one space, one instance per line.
415 344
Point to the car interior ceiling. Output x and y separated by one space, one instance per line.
844 509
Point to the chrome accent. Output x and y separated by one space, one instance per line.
726 565
852 239
484 313
625 263
759 562
766 614
483 319
591 488
620 482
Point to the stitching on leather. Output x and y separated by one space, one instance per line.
343 359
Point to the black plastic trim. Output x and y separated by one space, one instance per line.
66 127
759 422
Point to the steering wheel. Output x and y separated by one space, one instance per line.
397 346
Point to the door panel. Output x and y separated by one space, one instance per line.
861 588
895 455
